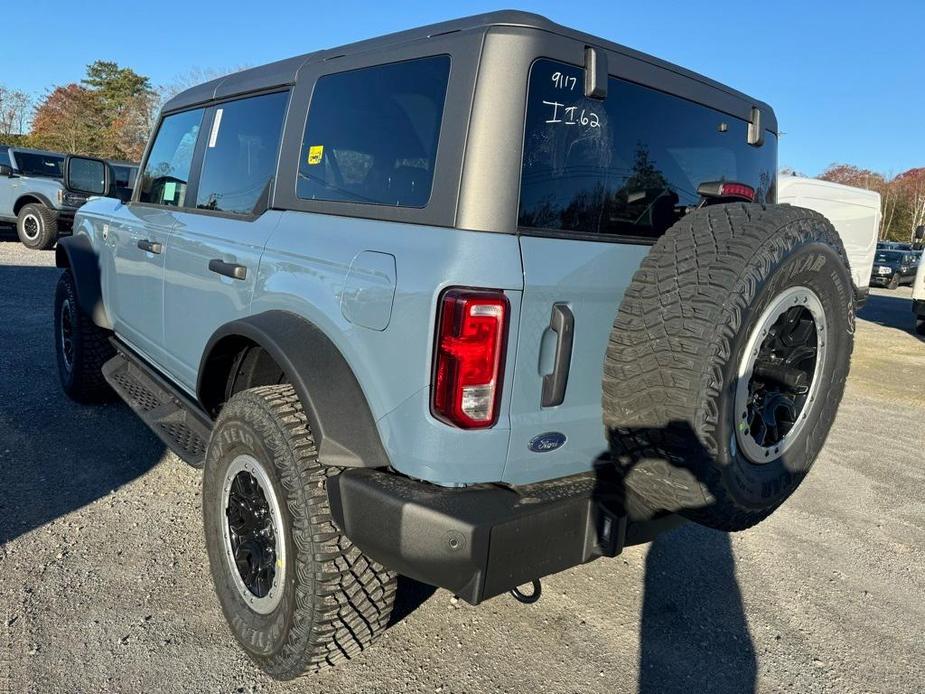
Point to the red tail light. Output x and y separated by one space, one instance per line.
726 189
469 359
737 190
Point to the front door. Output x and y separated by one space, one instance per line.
140 235
218 240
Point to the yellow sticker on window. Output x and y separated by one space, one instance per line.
314 154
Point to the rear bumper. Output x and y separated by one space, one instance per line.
482 541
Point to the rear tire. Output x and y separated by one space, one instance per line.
324 601
81 347
37 227
690 435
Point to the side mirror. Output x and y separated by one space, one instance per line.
87 175
6 170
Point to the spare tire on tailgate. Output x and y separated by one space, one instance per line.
727 361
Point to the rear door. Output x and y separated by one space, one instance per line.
601 181
220 235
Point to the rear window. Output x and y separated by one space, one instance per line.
629 165
240 158
371 134
32 164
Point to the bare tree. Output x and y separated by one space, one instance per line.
192 77
15 109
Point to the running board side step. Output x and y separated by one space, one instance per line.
178 421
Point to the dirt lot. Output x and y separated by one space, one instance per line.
104 585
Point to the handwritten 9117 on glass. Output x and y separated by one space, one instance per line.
566 114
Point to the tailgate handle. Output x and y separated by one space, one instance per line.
562 324
237 272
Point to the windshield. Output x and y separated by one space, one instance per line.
888 256
34 164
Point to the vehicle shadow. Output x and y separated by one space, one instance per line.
888 311
694 633
55 455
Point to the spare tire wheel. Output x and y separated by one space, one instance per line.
727 361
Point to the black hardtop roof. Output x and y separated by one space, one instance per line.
286 71
42 152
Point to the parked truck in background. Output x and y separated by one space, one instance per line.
34 198
854 212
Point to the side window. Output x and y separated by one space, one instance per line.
240 158
629 165
166 172
5 157
372 134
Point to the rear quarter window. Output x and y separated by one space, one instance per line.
372 133
629 165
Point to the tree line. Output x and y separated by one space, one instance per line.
902 197
111 111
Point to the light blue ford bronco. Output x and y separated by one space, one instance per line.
472 303
33 196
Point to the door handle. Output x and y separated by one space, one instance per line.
237 272
151 246
562 323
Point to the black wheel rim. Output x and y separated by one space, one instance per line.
31 226
778 377
252 533
253 541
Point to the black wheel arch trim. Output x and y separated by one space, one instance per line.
32 198
77 254
342 424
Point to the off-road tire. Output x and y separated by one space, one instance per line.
81 375
677 343
336 600
894 281
46 235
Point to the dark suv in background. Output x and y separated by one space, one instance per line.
894 267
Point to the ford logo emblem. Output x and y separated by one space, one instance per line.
544 443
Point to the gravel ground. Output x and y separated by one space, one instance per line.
105 586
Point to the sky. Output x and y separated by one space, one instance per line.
846 78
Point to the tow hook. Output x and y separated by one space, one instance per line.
525 598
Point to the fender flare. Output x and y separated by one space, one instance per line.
341 422
43 199
77 254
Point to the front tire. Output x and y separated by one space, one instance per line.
37 227
81 347
296 593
